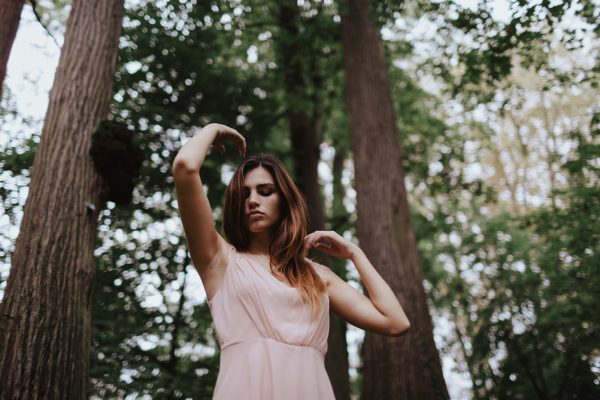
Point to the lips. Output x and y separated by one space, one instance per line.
251 213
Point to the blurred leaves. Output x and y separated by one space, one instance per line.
509 256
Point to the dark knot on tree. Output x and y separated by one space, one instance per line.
117 159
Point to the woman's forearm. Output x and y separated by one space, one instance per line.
193 152
380 293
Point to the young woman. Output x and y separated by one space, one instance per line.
269 303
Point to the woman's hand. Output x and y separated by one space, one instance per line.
224 133
330 243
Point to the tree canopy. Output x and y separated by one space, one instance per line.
499 126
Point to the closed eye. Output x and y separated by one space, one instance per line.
264 189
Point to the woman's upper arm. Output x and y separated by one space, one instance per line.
203 240
353 306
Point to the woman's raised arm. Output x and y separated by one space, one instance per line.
207 248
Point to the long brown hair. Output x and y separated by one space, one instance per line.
286 250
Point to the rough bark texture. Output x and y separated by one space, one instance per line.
45 315
10 15
407 367
305 130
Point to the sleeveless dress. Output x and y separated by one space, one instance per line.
271 346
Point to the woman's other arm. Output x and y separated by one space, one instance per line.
207 248
381 312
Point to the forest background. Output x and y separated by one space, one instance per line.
498 121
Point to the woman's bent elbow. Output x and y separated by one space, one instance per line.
181 166
399 329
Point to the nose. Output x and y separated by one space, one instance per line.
252 199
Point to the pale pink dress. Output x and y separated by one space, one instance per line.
271 347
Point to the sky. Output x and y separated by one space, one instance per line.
31 67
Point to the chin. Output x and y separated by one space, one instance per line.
259 228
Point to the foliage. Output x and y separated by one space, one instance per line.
478 50
163 345
487 269
182 65
519 289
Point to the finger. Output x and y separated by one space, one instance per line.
243 149
311 238
316 237
307 241
239 141
322 247
242 145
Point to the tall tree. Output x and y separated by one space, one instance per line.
45 315
407 367
10 15
298 52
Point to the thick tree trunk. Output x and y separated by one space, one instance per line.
45 315
394 368
336 361
304 125
10 15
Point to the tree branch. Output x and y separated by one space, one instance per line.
34 5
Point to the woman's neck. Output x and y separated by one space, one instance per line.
259 243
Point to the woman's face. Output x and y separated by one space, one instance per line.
262 200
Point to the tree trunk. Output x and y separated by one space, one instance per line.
305 129
10 15
336 361
45 315
407 367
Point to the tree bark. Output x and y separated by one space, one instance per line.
407 367
10 15
305 131
303 126
45 315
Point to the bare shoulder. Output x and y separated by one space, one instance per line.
324 272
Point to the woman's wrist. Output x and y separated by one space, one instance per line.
208 133
193 153
355 252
